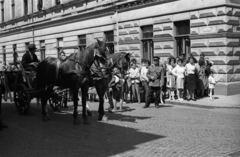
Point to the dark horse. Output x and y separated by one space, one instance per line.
102 74
73 73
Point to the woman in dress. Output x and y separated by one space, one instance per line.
202 83
179 72
171 79
191 73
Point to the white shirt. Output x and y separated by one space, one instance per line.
134 73
190 69
211 81
179 71
143 74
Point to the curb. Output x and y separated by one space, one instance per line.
200 106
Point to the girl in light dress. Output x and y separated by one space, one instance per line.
179 72
171 79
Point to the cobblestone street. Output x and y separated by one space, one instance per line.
169 131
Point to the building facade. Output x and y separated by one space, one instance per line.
145 28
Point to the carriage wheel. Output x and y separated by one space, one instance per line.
55 101
22 99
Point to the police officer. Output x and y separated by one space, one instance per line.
156 81
29 59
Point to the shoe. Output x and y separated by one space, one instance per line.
181 99
157 106
145 106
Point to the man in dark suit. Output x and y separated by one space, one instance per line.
156 81
29 59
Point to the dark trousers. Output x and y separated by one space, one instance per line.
110 100
151 90
145 86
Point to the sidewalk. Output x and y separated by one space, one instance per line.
220 101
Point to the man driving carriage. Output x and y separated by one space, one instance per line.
29 59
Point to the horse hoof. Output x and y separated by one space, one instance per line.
86 121
89 113
76 122
102 118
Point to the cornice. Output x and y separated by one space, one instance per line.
217 35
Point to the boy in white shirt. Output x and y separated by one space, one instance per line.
212 83
143 76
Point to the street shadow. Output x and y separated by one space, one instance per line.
30 136
127 109
163 105
127 118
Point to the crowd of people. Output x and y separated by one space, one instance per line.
176 79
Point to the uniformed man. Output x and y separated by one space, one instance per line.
29 59
156 81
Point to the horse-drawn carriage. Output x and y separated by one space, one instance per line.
72 74
22 84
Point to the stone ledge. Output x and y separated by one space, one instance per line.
231 88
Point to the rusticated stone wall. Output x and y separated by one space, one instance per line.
216 32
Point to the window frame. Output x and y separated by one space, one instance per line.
147 42
4 53
59 48
42 49
2 11
149 33
81 45
13 8
25 7
110 42
58 2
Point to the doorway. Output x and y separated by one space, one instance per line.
183 46
148 50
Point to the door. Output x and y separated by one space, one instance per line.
183 46
148 50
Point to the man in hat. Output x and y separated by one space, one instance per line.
155 75
29 59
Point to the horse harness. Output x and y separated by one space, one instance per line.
77 70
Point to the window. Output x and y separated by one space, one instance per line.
40 5
59 45
182 27
14 53
42 49
25 7
14 47
182 38
147 32
2 11
109 36
58 2
26 46
13 9
147 43
4 53
82 42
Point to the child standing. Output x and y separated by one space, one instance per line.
116 86
212 83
